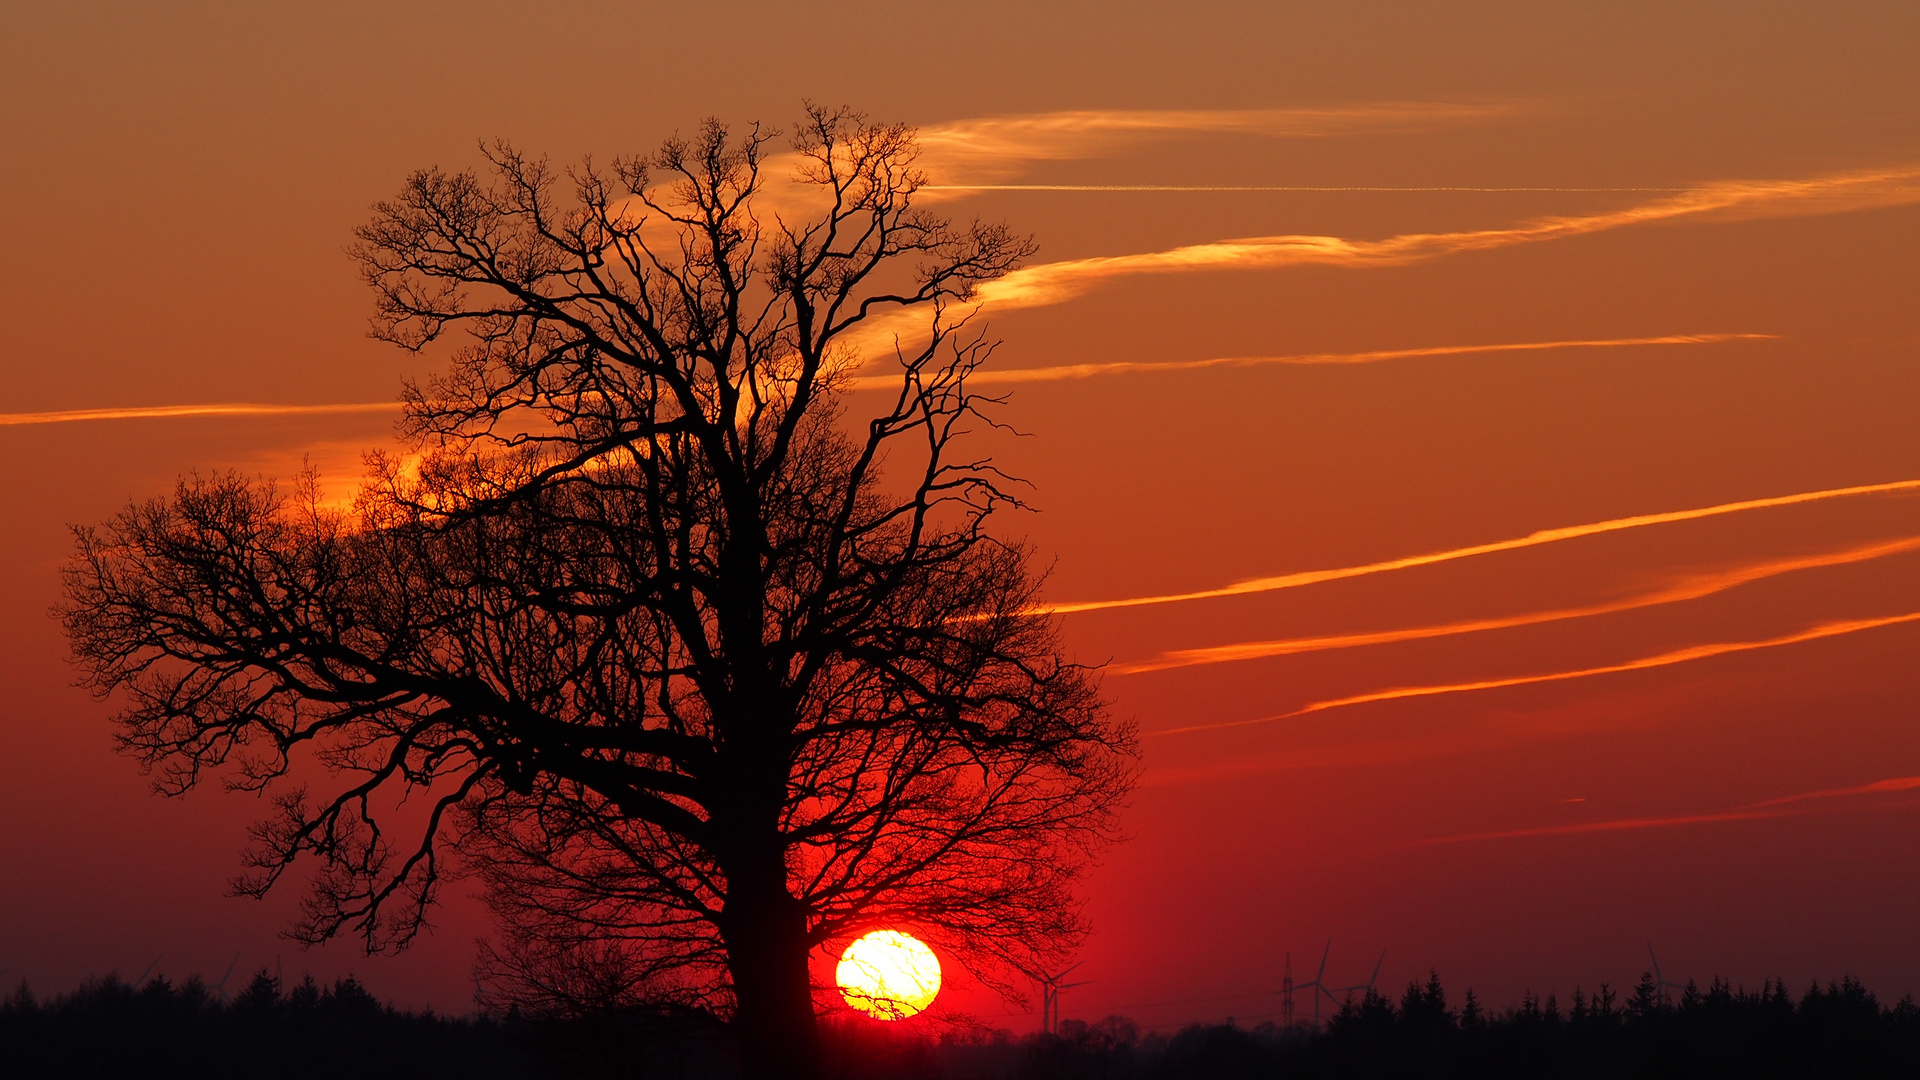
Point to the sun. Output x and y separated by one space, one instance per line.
888 975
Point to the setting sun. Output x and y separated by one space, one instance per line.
888 975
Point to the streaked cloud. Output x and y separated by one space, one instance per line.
1056 282
1770 808
1328 188
1676 656
960 157
1691 588
1878 787
154 412
982 149
1533 539
1374 356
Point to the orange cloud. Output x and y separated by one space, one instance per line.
1534 539
151 412
985 148
1052 283
1677 656
1690 589
964 156
1125 367
1058 282
1282 187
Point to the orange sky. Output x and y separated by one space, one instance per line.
1410 294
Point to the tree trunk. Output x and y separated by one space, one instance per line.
767 952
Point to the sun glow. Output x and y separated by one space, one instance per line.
888 975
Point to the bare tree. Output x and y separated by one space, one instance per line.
642 636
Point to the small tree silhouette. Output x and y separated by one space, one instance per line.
645 636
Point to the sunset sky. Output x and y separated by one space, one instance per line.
1482 440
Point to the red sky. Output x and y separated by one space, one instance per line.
1519 764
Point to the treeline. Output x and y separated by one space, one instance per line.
1719 1031
160 1030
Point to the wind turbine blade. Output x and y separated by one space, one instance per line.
1375 977
1323 961
222 988
142 980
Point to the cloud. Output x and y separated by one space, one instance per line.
982 149
1058 282
1770 808
1128 367
1534 539
1898 783
1055 282
1286 187
1692 588
152 412
960 157
1677 656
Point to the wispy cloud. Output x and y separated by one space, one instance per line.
1534 539
1691 588
1769 808
1328 188
1127 367
960 157
982 149
1878 787
1677 656
153 412
1055 282
1058 282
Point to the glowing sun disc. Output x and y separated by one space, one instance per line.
888 975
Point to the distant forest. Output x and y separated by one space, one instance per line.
160 1030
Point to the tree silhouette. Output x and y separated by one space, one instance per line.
642 636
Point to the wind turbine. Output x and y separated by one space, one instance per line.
1660 983
1333 992
1050 987
1375 977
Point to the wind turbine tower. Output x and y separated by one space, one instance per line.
1050 987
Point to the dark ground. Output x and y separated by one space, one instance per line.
159 1030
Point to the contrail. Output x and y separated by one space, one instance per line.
1690 589
1052 283
1279 187
991 147
1060 372
147 412
1677 656
1769 808
1534 539
1898 783
1057 282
